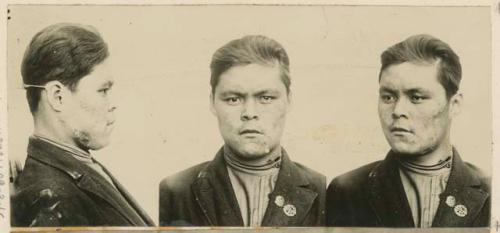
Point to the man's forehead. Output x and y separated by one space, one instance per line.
410 75
247 91
101 75
251 78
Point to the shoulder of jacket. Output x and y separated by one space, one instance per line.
46 203
481 175
357 177
44 180
311 174
183 179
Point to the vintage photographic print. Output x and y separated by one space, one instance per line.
166 116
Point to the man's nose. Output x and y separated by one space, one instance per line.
249 111
112 103
401 108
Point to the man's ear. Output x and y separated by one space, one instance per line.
212 107
56 95
456 102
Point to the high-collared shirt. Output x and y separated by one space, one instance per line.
252 185
201 196
81 155
373 196
423 185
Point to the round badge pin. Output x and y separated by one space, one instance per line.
451 201
460 210
290 210
279 201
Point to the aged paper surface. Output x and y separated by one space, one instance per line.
160 56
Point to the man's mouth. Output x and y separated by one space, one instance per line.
249 132
400 130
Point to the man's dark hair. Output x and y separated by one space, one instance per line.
426 49
254 49
62 52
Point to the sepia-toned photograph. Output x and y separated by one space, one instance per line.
171 116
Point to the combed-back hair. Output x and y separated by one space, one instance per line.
63 52
426 49
253 49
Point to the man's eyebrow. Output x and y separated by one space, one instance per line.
406 91
227 93
108 83
387 89
267 91
416 90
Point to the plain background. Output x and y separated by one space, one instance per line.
161 55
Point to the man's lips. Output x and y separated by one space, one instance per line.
250 131
400 130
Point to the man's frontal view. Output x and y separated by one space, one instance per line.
422 182
251 181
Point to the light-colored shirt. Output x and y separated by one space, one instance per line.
423 185
252 185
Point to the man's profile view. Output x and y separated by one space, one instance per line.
68 86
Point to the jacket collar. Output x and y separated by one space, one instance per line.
85 177
215 195
294 187
389 202
465 187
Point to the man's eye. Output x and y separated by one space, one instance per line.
388 98
233 100
266 99
104 91
417 98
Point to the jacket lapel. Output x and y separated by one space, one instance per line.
215 196
110 195
469 200
85 177
387 196
142 214
292 187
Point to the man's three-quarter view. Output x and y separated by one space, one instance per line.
422 182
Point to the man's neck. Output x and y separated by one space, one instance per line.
431 157
53 130
255 162
82 155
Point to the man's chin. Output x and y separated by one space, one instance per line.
404 149
253 151
410 152
96 145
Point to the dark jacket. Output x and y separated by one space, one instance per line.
55 189
374 196
203 196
